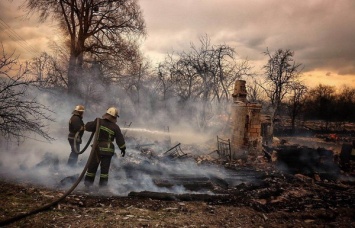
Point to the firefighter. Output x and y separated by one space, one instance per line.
108 132
76 124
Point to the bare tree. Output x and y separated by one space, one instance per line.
255 91
100 30
345 104
296 102
165 80
50 72
281 73
135 82
320 103
20 113
205 73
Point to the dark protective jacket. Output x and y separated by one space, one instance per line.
75 124
108 132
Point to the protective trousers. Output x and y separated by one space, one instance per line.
73 157
104 162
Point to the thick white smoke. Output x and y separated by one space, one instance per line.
44 163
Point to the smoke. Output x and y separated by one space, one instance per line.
43 163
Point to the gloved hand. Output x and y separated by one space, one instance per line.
123 152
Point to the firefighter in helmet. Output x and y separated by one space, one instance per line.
76 125
108 132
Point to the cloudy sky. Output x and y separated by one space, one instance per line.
320 32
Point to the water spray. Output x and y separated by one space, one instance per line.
180 136
144 130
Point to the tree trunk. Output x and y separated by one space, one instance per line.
72 79
75 69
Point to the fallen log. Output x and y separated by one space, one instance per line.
178 197
190 183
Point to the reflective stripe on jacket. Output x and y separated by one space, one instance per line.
108 132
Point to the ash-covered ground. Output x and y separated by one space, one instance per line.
181 185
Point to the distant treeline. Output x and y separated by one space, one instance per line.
330 105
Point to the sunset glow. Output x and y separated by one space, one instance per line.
323 47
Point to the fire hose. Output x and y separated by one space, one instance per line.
54 203
76 145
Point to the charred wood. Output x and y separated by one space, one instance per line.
190 183
177 197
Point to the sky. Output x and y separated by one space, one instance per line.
320 32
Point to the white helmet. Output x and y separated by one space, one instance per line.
112 111
79 108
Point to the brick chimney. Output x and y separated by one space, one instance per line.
245 124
